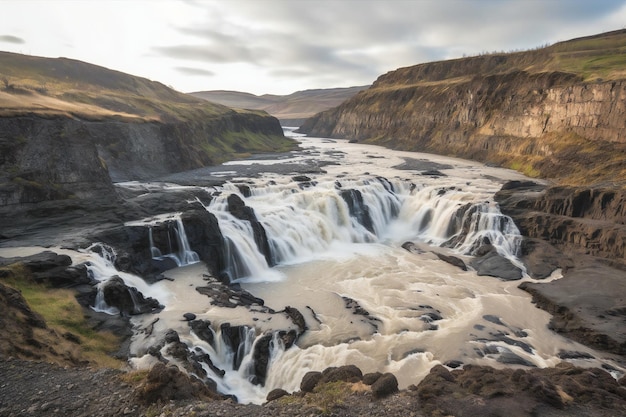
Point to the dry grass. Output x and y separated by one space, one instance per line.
63 315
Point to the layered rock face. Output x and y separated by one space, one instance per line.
498 118
532 111
45 159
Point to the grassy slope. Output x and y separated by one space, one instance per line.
61 86
301 104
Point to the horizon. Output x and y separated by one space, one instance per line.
278 47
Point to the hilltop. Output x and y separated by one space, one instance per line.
556 112
290 109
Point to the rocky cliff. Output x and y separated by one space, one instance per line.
558 112
69 129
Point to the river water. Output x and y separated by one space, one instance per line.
366 300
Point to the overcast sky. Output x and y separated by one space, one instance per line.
281 46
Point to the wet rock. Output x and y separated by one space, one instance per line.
385 385
300 178
357 208
296 317
495 265
453 364
128 300
189 316
235 337
202 329
238 208
261 356
411 247
452 260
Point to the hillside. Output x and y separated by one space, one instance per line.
557 112
69 129
291 109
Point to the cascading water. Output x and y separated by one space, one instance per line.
336 241
304 222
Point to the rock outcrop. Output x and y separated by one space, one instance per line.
59 158
520 110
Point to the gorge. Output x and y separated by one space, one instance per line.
259 263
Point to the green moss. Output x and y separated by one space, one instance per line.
62 313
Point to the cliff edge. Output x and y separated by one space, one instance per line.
558 112
69 130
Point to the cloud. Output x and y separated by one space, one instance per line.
195 71
11 39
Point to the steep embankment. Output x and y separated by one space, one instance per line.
68 129
291 109
557 112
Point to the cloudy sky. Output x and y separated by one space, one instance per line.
281 46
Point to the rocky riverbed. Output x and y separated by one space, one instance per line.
587 305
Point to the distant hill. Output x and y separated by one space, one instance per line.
291 109
556 112
62 86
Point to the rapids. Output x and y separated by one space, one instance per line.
336 242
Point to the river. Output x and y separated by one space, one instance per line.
366 300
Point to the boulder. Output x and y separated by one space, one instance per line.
276 394
495 265
310 381
385 385
168 383
128 300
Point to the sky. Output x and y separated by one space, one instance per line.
282 46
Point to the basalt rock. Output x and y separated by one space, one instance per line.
128 300
238 208
562 390
495 265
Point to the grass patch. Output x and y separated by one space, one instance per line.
63 314
325 397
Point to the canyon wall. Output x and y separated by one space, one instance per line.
57 158
545 124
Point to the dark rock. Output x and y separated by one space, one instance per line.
276 394
171 336
452 260
496 265
296 317
128 300
301 178
385 385
234 337
453 364
310 381
189 316
411 247
370 378
433 173
346 373
238 208
510 358
261 356
167 383
541 258
357 208
202 329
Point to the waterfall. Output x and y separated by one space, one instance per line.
177 250
304 222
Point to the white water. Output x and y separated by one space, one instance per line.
323 254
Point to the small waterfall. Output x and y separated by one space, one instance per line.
233 366
101 267
178 249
